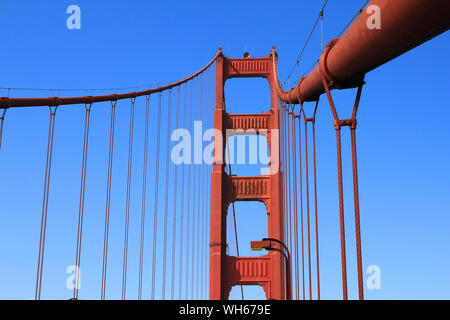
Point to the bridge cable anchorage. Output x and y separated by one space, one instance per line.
166 194
48 166
2 119
127 203
306 120
328 82
174 214
108 199
144 195
156 184
182 212
294 169
81 202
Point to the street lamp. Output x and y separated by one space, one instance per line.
266 244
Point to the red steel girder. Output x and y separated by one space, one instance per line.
405 24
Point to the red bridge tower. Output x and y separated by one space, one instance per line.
227 271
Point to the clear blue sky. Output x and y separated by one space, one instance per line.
403 140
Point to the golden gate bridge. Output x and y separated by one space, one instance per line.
286 270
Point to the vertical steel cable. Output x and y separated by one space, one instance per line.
204 193
166 195
341 213
155 208
81 203
127 203
175 194
313 121
294 166
307 205
200 177
289 176
144 196
108 199
202 242
301 203
188 227
182 212
194 206
356 196
283 113
2 119
48 166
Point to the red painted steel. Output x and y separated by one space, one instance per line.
227 271
6 102
405 24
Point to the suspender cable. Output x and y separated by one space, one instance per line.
289 177
127 204
81 203
194 207
301 203
307 202
202 242
312 120
2 119
108 200
175 194
285 195
315 201
199 216
166 195
144 196
182 212
294 167
356 198
155 208
352 124
48 166
341 213
188 212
